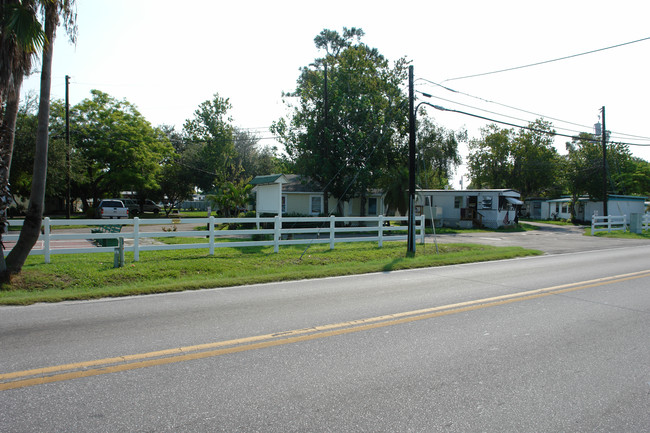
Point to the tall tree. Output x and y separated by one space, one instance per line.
584 168
21 35
437 154
342 134
535 170
525 160
52 11
490 158
253 159
23 158
118 148
211 133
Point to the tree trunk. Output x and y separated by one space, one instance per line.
7 134
34 216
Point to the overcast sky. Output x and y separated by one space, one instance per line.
167 57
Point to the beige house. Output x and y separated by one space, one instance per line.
292 194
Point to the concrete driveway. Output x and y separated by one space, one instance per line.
549 238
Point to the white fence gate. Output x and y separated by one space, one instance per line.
615 222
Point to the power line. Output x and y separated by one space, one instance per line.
438 107
498 114
588 127
546 61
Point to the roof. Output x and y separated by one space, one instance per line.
610 197
264 180
299 183
470 191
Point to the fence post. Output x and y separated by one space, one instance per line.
277 230
46 239
136 239
332 231
422 229
211 231
624 223
593 225
380 231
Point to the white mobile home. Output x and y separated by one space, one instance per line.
492 208
560 208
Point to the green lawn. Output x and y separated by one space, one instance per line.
76 277
620 234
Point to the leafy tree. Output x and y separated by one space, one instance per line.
252 159
584 168
117 147
437 154
535 170
23 160
52 10
177 178
231 197
636 180
211 134
343 134
525 160
437 157
490 158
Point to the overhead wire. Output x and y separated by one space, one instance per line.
547 61
614 134
440 108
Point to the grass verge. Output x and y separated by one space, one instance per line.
92 276
619 234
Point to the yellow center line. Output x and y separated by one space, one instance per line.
130 362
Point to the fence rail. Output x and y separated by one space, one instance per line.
281 231
616 222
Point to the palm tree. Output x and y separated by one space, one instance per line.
52 9
231 197
21 35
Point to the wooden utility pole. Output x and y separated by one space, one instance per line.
604 141
411 214
68 205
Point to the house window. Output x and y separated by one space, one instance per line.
458 201
316 204
486 202
284 204
372 206
565 207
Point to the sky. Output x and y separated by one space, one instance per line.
166 57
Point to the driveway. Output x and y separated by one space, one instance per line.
549 238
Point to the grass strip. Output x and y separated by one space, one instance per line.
92 276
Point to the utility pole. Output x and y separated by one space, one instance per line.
411 214
325 135
67 142
604 141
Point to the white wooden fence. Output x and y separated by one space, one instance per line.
282 231
615 222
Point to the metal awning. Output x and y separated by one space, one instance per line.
513 200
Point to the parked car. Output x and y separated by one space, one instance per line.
131 205
134 206
150 206
111 208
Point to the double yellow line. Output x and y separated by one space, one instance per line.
58 373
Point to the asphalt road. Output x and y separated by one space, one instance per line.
544 344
